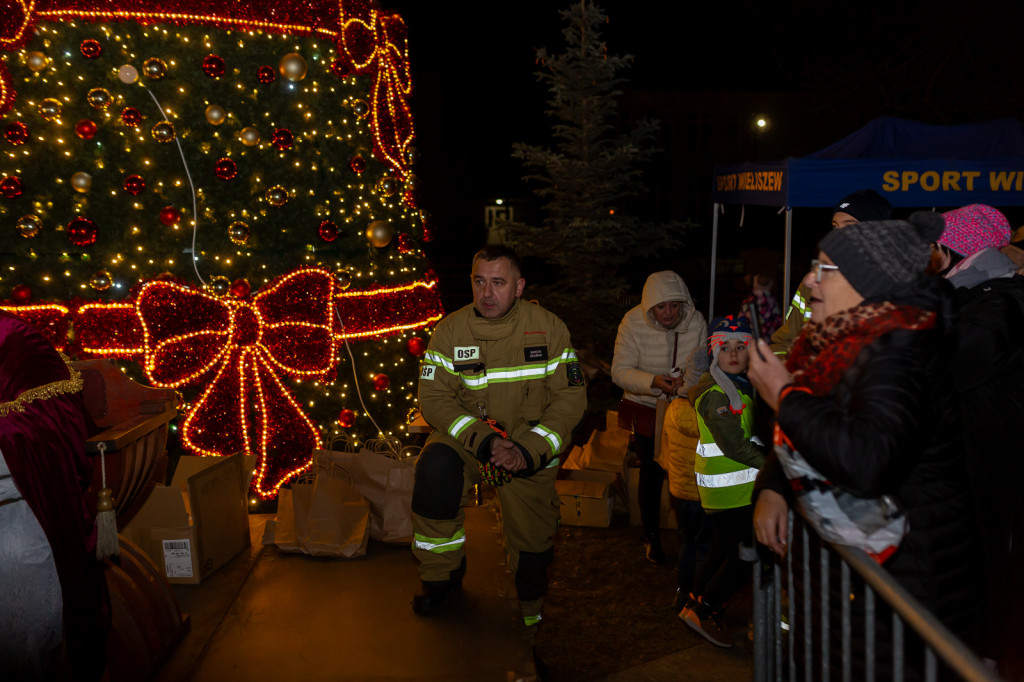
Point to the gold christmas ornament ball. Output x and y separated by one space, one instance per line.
99 98
215 114
163 132
220 285
361 108
81 182
101 280
292 66
128 74
379 233
239 232
250 136
36 61
28 226
154 68
277 196
50 108
343 279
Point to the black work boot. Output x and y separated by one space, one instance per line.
434 592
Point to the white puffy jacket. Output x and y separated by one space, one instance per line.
645 349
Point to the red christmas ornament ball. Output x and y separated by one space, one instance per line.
346 418
131 116
11 187
328 231
16 133
213 66
357 164
381 382
21 294
82 231
282 139
91 48
341 69
226 169
266 74
86 129
134 185
169 215
416 346
240 288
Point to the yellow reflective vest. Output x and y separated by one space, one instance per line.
723 483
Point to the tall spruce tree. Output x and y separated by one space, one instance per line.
588 179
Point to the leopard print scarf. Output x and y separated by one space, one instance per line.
824 351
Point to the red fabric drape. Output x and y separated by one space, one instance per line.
44 447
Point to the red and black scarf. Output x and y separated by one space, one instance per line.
824 351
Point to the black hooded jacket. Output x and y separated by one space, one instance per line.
891 426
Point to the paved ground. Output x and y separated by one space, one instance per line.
273 616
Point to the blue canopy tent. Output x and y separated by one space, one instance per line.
911 164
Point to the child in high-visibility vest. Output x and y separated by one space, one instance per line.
728 459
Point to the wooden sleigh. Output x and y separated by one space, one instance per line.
147 622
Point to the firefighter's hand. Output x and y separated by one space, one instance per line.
771 518
507 455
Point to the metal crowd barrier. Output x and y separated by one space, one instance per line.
796 644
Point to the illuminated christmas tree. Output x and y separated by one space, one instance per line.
222 194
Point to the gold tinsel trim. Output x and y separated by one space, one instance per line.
71 385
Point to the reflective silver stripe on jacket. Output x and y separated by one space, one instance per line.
550 436
460 425
712 449
746 475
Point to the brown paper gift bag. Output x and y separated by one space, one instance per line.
386 483
322 515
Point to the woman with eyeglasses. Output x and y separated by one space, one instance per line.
865 398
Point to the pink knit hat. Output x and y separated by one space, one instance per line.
973 228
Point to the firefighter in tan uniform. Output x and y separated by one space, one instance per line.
502 387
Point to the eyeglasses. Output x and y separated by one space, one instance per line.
817 267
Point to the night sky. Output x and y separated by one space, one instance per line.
818 70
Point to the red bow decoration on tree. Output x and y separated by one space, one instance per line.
376 42
239 349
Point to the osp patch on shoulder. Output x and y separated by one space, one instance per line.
427 372
723 411
574 373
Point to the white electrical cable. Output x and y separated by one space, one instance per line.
195 213
390 442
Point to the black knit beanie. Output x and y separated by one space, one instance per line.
879 258
865 205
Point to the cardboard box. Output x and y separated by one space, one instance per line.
667 516
199 522
587 497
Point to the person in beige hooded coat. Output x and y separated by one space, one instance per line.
654 340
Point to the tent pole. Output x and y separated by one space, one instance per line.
788 256
714 262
